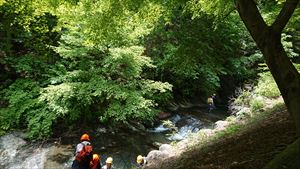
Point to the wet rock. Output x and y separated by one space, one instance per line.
163 115
56 156
156 144
176 137
136 127
36 159
10 145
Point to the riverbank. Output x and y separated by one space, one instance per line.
124 145
249 144
258 129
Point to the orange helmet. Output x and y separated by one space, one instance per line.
85 137
96 157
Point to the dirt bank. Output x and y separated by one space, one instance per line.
250 148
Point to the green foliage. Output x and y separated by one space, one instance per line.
26 36
126 63
170 125
267 86
243 98
114 61
229 131
256 104
110 78
278 107
99 73
297 66
192 54
219 8
21 97
25 110
110 22
288 46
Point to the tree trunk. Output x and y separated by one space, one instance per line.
285 75
268 40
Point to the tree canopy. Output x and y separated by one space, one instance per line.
112 62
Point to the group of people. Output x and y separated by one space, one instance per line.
86 159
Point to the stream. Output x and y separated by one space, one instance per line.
17 153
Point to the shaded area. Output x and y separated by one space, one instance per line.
250 149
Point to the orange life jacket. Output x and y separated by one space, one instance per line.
85 155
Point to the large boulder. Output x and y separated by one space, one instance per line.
156 155
221 125
166 148
182 145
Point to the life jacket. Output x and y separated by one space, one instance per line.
85 155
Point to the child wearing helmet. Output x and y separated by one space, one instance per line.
95 163
108 163
141 161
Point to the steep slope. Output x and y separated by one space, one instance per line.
248 146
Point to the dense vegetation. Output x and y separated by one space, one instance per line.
84 62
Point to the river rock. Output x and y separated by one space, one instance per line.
176 137
221 125
166 148
183 144
156 144
242 112
57 155
155 155
136 127
207 132
35 160
10 145
163 115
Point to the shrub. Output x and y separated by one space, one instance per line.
243 98
266 86
256 104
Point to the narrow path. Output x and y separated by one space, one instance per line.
249 149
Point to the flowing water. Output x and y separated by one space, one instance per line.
16 153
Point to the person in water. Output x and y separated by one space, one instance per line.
83 153
108 163
210 102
